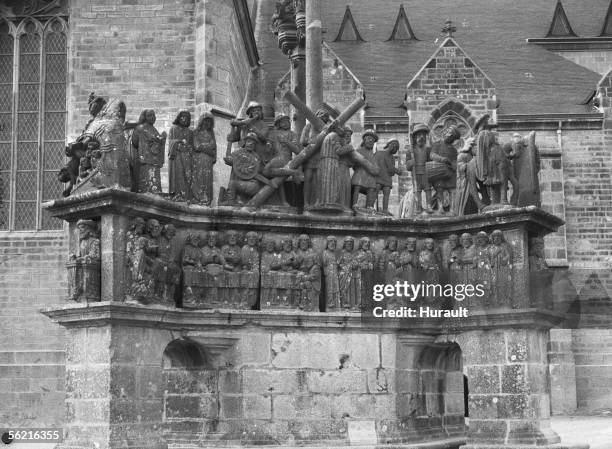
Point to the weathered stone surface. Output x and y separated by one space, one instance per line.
254 350
271 381
487 431
514 379
324 351
480 347
338 381
302 406
381 380
484 379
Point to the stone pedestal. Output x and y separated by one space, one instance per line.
150 375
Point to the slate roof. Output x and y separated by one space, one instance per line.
528 78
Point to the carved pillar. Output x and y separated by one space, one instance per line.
298 85
114 387
509 392
112 243
314 56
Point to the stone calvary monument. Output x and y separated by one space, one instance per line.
250 324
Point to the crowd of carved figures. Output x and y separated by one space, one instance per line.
248 270
319 171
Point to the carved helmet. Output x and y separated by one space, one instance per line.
280 117
388 144
419 127
253 105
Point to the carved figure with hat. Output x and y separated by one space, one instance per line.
364 176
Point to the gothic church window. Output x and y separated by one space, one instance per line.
33 62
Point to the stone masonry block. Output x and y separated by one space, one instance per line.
484 379
325 351
337 382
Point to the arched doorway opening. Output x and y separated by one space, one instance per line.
443 387
190 383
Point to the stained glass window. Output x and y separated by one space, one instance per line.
33 62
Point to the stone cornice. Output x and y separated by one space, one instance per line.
573 43
112 201
190 321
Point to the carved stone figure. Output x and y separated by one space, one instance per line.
180 155
232 254
452 259
331 272
246 172
537 258
204 158
442 173
312 164
270 264
214 278
417 160
408 262
249 276
84 266
500 256
526 167
108 148
146 266
80 166
350 276
345 163
285 145
468 252
489 170
330 192
429 262
169 254
388 260
149 147
386 163
309 283
366 170
255 126
136 231
309 277
192 271
482 265
461 197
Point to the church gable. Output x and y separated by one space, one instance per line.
560 25
606 30
348 30
450 72
402 31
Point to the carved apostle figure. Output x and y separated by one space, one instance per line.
232 254
180 156
249 276
169 254
350 276
429 262
149 147
309 280
452 258
84 266
192 271
331 271
408 261
386 162
270 264
204 158
500 256
388 260
366 170
482 264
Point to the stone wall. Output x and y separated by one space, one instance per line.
32 276
593 355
